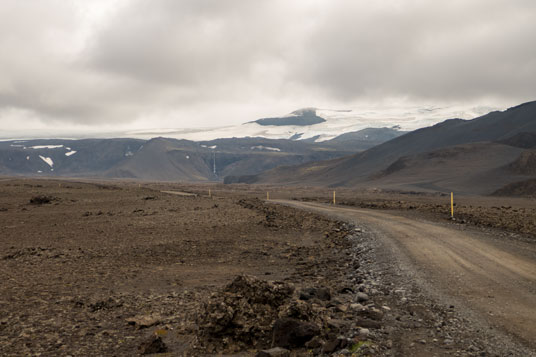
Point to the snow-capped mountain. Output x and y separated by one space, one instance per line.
321 124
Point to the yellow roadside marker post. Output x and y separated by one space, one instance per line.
209 193
267 196
452 204
334 201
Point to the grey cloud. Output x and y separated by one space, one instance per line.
451 50
178 58
184 43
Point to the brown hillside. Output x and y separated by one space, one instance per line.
525 164
525 188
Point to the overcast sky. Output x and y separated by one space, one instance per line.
105 65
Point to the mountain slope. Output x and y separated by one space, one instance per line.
165 160
475 168
64 157
158 159
363 167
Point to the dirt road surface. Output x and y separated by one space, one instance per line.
494 279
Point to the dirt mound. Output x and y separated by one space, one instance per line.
520 189
243 312
34 252
41 199
260 292
525 163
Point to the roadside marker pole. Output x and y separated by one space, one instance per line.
267 196
209 193
334 201
452 204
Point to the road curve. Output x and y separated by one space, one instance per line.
492 277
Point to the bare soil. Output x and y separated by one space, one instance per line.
507 216
121 268
80 265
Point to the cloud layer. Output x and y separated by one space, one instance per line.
211 62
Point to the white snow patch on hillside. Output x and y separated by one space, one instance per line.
48 160
261 147
46 147
70 153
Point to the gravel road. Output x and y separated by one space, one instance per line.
493 279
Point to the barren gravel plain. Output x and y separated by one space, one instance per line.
118 268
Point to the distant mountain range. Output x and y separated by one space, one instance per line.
492 154
476 156
171 159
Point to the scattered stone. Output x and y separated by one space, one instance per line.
297 309
347 289
334 344
274 352
41 199
364 332
289 332
337 324
374 314
144 321
153 344
473 348
318 293
362 322
356 307
315 342
362 297
102 305
341 308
